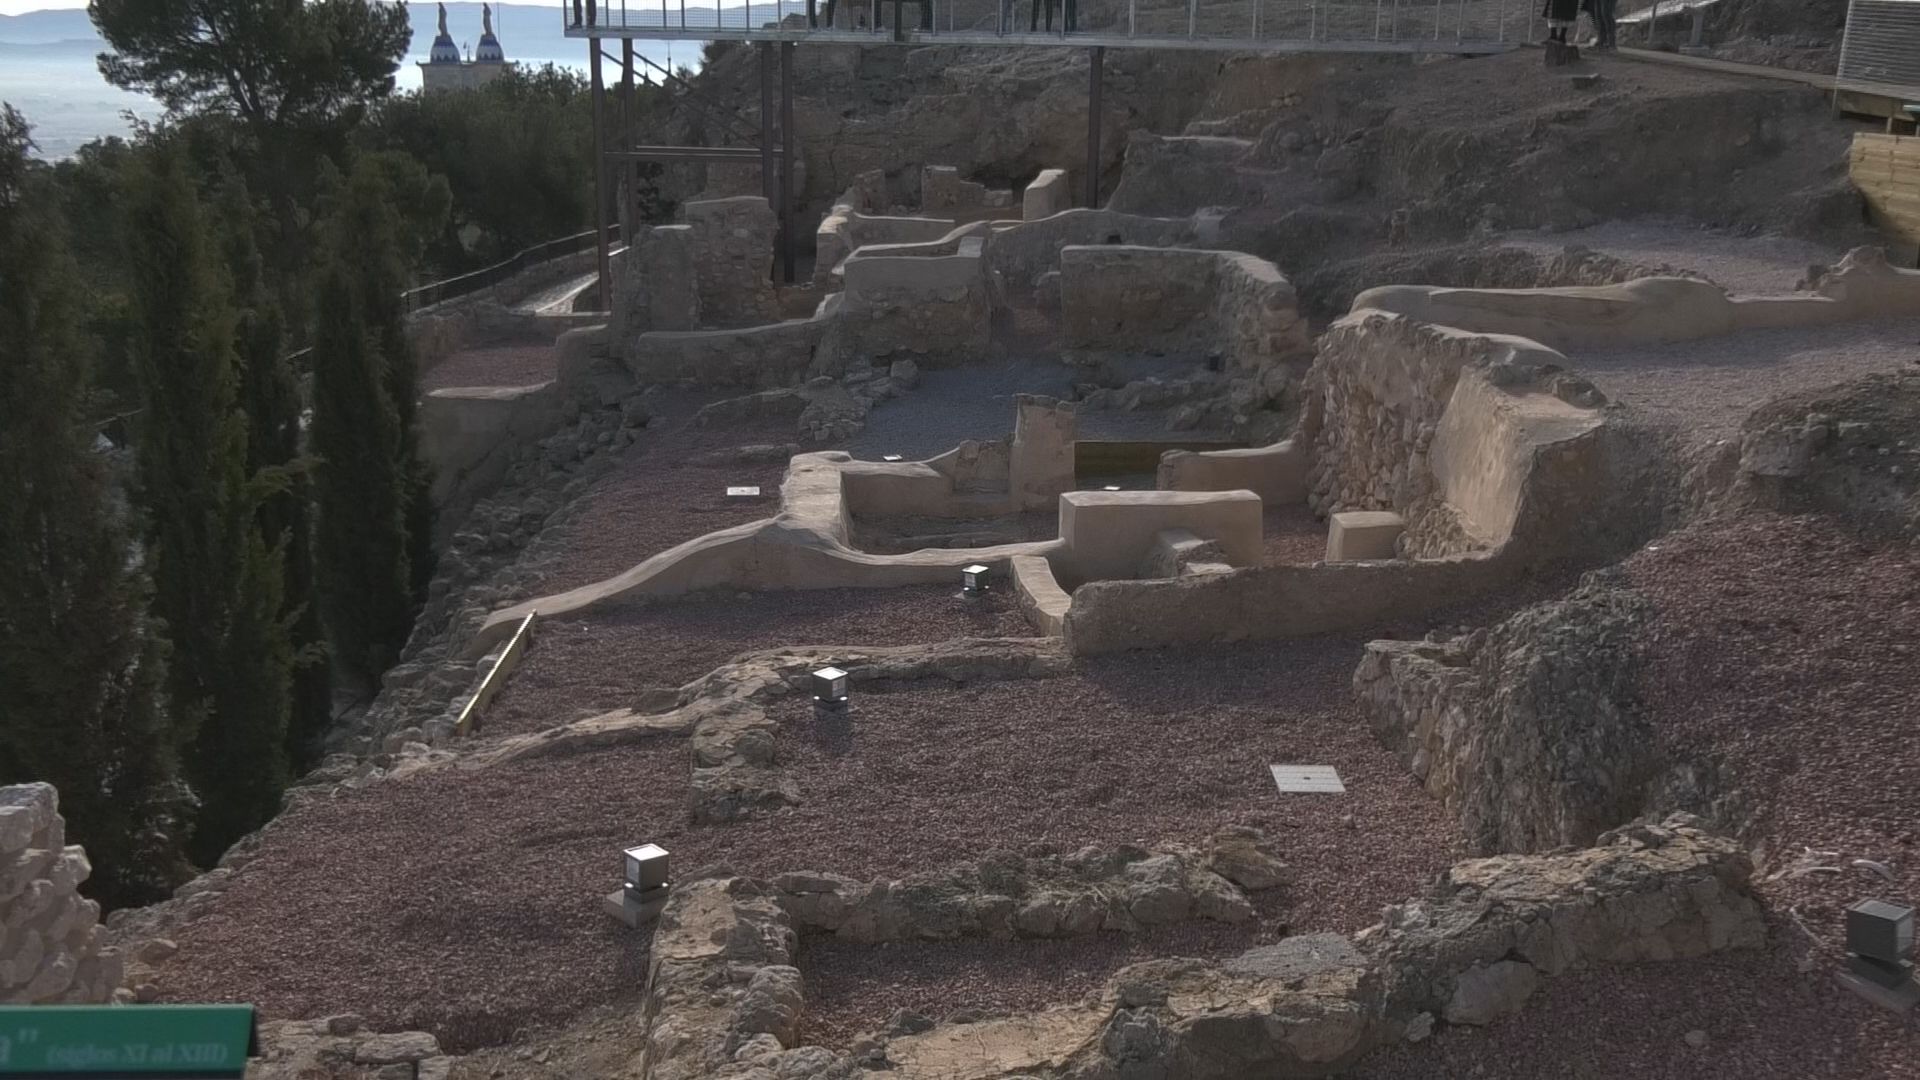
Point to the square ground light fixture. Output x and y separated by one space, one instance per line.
1308 779
642 894
973 580
891 457
830 687
744 491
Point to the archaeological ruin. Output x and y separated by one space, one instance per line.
1418 422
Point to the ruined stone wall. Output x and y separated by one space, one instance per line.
1020 254
1126 298
846 230
942 189
655 283
755 357
935 309
1046 196
51 940
733 258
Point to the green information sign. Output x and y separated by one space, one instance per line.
125 1040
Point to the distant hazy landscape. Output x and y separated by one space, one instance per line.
47 68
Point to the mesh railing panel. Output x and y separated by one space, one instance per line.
1881 51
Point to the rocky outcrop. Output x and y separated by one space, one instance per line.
1009 895
52 946
1530 733
722 990
343 1046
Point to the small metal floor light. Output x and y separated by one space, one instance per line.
830 688
973 580
1879 955
644 881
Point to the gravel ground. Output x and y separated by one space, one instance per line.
853 989
1761 1017
1707 388
664 494
585 666
466 903
1294 536
1751 265
1788 652
500 365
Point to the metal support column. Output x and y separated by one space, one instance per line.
629 185
1096 63
600 174
787 194
765 49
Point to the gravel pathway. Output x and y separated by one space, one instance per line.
1707 388
500 365
1294 536
1761 1018
466 903
1789 653
584 666
1753 265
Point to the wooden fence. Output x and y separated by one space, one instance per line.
1886 169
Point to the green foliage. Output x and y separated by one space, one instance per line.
216 580
81 667
361 560
270 398
266 62
516 154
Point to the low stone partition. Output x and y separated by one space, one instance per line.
934 308
1277 473
847 229
724 996
52 946
1018 254
656 283
1046 196
1041 599
1658 310
1132 299
1109 534
760 357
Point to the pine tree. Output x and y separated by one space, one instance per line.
81 667
216 580
270 398
360 488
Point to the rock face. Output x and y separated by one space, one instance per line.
344 1046
1531 732
51 941
732 253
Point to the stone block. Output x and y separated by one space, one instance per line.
1108 533
1363 534
1046 196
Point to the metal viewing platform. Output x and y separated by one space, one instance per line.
1259 26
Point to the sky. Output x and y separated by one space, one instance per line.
21 7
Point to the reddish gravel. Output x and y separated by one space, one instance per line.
1763 1020
584 666
466 902
1789 651
853 989
500 365
1294 536
666 494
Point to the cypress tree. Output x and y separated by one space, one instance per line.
359 486
216 579
81 668
270 398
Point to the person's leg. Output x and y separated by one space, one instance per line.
1033 17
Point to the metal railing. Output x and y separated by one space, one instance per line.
1400 25
1880 53
473 281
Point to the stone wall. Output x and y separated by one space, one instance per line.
1529 733
1131 299
655 283
1020 254
935 309
733 258
1046 196
845 231
51 941
472 435
942 189
755 357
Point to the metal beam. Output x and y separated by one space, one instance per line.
1096 72
602 258
987 38
687 153
787 194
765 49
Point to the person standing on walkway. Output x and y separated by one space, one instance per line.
1561 15
1607 22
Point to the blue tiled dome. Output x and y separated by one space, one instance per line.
444 51
489 50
